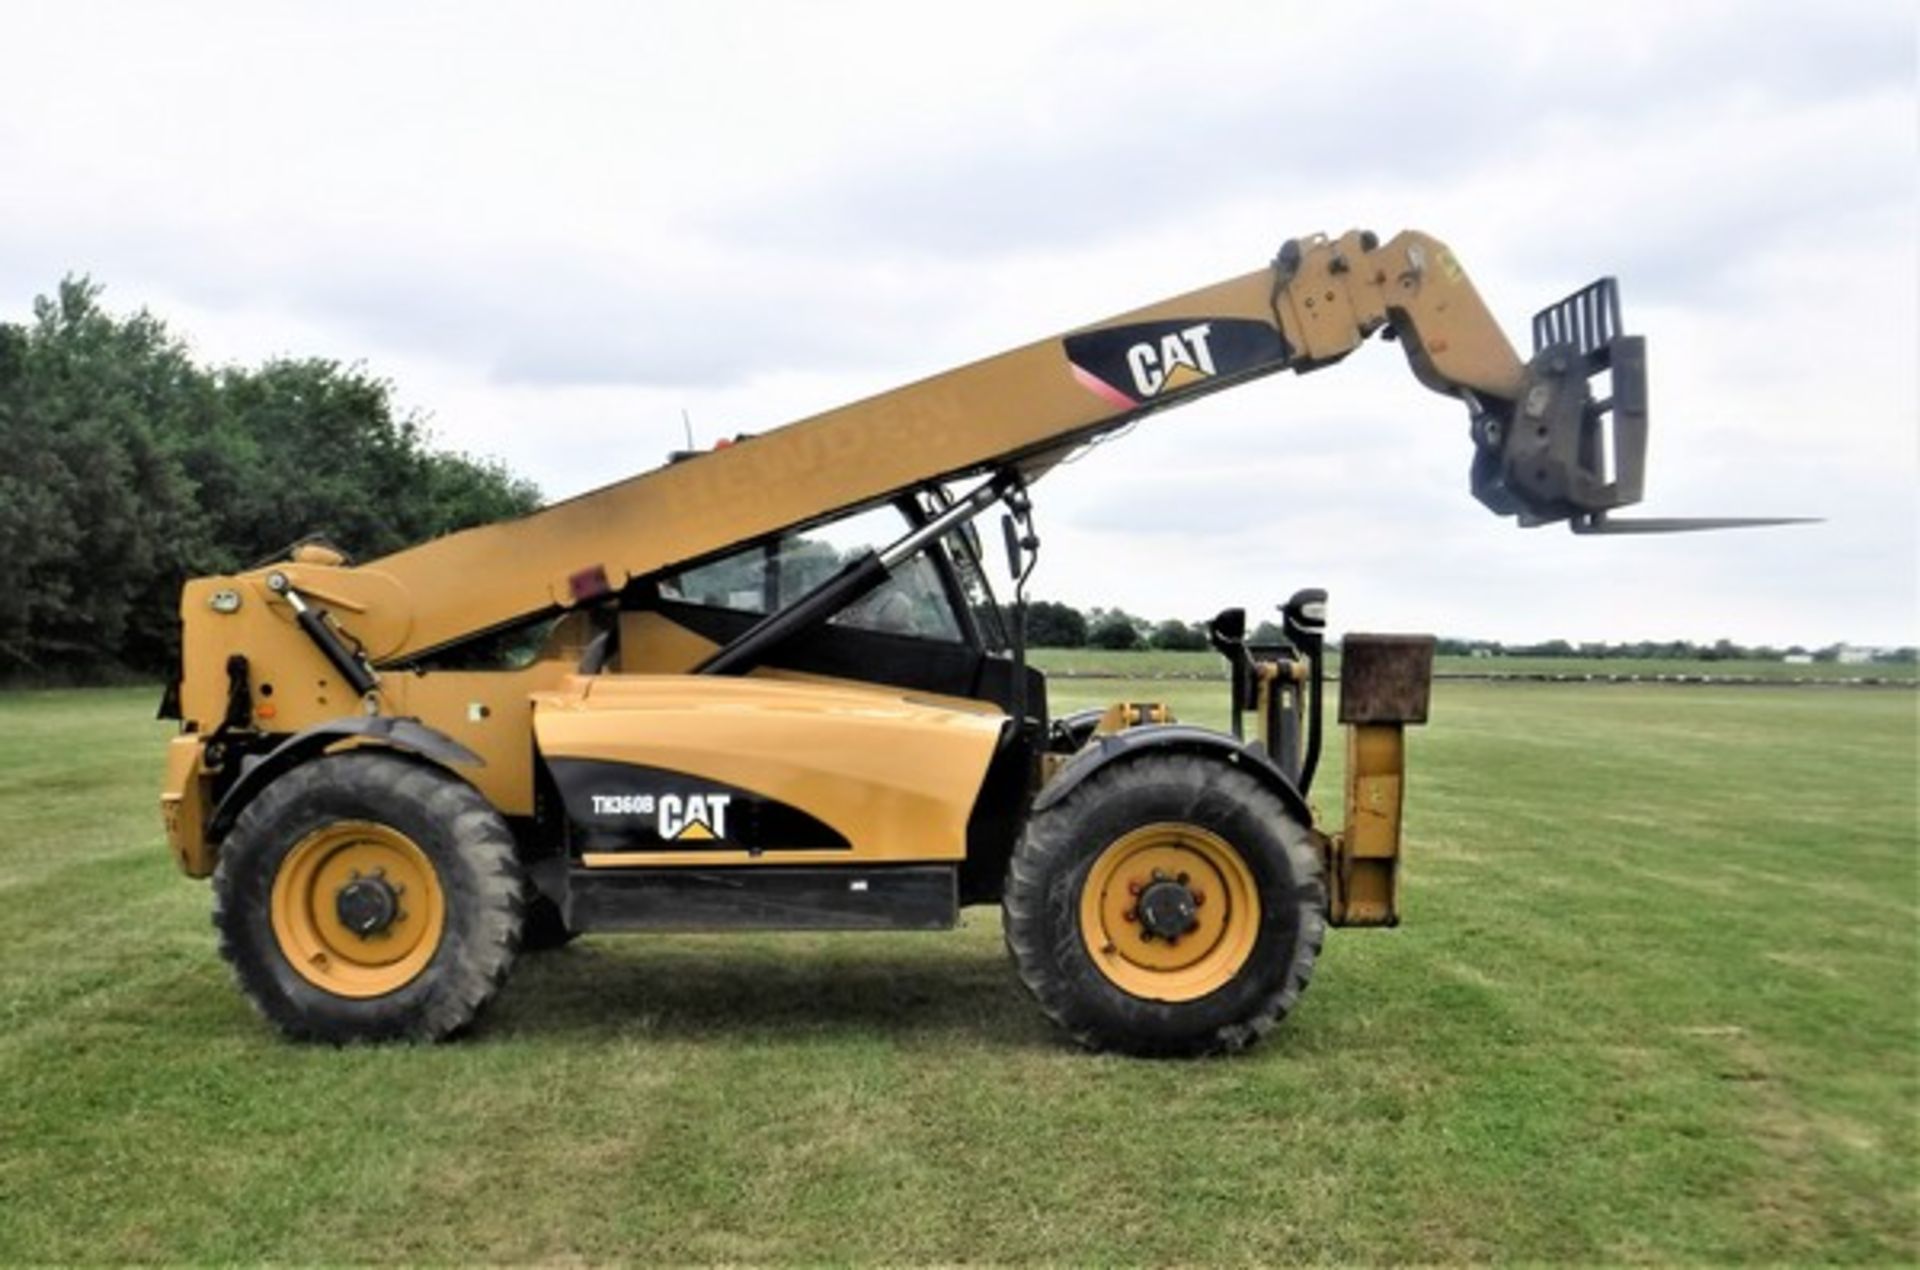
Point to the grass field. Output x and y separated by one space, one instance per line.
1655 1001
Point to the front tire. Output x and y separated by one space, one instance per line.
1170 904
368 897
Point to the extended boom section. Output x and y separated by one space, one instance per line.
1318 301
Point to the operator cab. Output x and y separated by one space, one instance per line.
933 625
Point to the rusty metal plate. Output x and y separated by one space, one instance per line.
1385 678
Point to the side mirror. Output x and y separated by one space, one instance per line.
1011 533
1304 618
1227 632
1228 627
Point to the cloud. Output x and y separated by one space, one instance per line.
556 230
1154 121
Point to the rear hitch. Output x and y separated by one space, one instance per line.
1385 682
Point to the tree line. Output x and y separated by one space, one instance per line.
1051 624
126 467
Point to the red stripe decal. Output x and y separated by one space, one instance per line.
1094 384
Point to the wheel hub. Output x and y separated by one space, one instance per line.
1166 909
1169 911
368 906
358 909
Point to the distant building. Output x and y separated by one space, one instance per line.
1853 655
1798 659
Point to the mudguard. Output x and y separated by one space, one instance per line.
410 735
1179 738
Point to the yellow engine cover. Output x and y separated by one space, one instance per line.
664 770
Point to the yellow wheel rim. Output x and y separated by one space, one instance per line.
399 896
1222 904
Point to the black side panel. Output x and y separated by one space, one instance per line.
891 897
628 807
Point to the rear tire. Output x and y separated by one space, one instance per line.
1230 858
440 900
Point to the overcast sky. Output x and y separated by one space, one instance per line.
557 226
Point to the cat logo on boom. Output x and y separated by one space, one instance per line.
1179 359
1141 362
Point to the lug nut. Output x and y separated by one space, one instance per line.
1182 879
1199 897
1132 914
1134 887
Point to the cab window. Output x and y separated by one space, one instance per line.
740 582
769 576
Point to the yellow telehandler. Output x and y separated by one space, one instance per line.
767 687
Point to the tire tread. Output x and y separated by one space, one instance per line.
1044 864
481 873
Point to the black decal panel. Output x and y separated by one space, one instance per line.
627 807
1144 361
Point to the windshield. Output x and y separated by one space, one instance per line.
770 576
963 551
